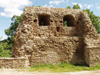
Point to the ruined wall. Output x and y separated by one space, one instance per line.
92 56
13 62
51 42
42 37
57 49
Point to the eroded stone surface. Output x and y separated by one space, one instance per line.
42 37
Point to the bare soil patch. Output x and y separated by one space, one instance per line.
15 72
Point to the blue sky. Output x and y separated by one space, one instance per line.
8 8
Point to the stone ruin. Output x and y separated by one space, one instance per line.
42 38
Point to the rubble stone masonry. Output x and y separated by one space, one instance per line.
43 37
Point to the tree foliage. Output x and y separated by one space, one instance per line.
5 45
76 6
68 7
16 20
10 32
5 48
36 6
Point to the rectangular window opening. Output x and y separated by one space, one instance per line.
44 20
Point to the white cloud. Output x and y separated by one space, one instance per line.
85 4
98 7
12 7
51 6
45 6
57 2
78 4
88 6
3 37
48 6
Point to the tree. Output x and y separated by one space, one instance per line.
10 32
68 7
36 6
16 21
5 49
76 6
39 6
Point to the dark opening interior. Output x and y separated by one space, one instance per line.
68 20
61 22
58 29
44 20
35 20
77 22
51 21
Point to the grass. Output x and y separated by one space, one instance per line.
62 67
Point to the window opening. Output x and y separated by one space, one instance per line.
44 20
68 20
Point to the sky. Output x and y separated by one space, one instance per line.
8 8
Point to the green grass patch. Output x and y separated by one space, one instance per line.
62 67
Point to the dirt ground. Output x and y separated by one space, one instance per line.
15 72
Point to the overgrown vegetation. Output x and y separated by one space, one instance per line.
5 48
62 67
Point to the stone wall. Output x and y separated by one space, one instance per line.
57 49
42 37
13 62
92 56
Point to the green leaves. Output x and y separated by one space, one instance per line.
5 45
65 23
5 49
76 7
16 21
10 32
68 7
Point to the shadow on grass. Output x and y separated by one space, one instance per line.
82 65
